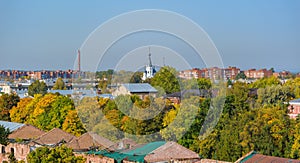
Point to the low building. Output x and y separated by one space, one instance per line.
19 140
5 89
172 152
294 108
258 74
256 157
140 89
159 151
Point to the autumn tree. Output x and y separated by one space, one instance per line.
59 84
264 82
7 102
90 111
294 85
20 112
48 112
37 87
295 149
166 78
272 95
72 124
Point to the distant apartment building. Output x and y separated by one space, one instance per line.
213 73
258 74
191 74
283 74
38 75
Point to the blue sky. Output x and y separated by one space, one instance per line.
36 35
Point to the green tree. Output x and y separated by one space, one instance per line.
7 102
295 149
294 85
240 75
102 85
204 83
90 111
136 77
12 158
272 95
37 87
264 82
4 132
59 84
166 78
58 154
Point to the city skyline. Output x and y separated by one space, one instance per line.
47 35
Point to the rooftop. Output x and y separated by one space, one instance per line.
89 140
139 87
255 157
12 126
295 101
26 132
171 151
54 137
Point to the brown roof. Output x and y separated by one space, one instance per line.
171 151
26 132
267 159
88 140
54 137
259 158
210 161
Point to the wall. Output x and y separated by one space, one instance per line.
20 151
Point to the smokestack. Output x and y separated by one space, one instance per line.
78 60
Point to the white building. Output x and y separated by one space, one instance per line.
149 69
5 89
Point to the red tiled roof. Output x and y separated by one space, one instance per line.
26 132
259 158
53 137
210 161
88 140
171 151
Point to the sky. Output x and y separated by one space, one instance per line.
45 35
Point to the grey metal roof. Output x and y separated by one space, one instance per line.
139 87
70 92
12 126
107 96
295 101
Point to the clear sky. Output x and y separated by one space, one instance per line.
37 35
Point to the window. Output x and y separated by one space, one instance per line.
12 150
3 149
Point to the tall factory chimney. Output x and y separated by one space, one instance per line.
78 60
